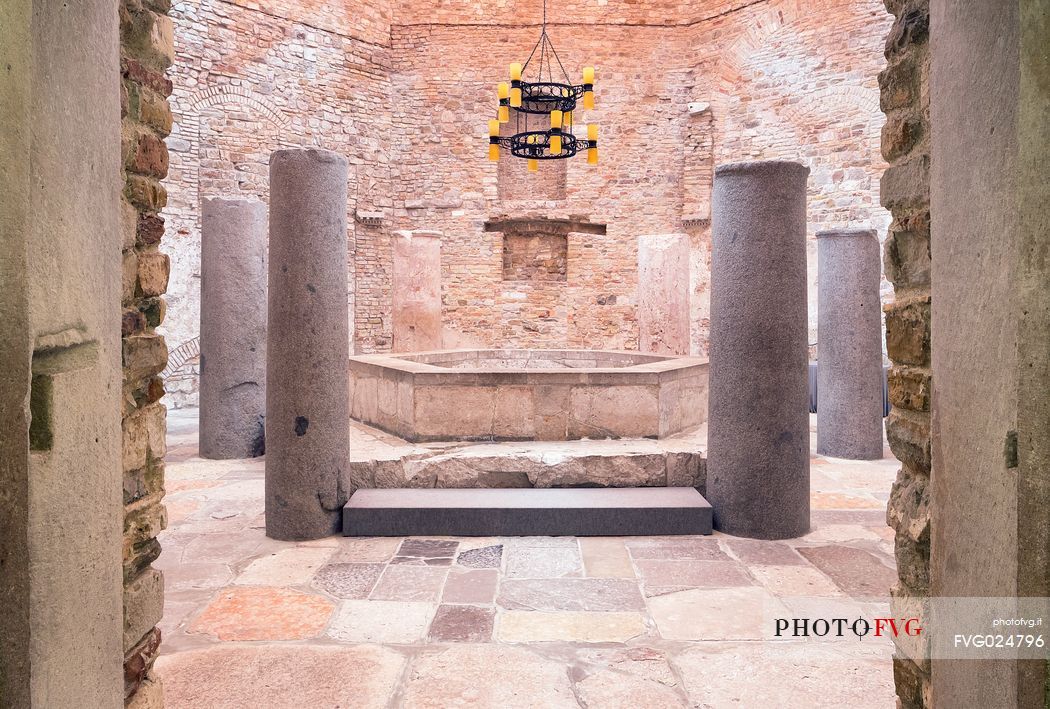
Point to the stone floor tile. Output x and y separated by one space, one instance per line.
857 572
280 676
794 580
570 595
470 586
568 626
263 613
561 542
348 580
714 614
488 675
426 552
543 562
605 557
489 557
358 550
396 622
837 533
785 675
756 551
185 576
844 501
461 624
225 548
700 549
410 583
616 690
688 572
294 566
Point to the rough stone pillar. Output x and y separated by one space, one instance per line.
663 293
308 346
758 420
849 344
233 328
416 314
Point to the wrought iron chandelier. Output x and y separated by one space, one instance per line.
550 102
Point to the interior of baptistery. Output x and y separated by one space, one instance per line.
591 354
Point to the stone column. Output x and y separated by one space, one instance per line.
758 420
663 293
416 314
308 346
849 344
233 328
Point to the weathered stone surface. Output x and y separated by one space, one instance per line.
461 624
410 583
561 594
259 675
569 626
482 558
233 328
348 580
909 388
307 377
908 331
380 621
849 330
487 676
758 428
857 572
663 293
712 614
473 586
263 613
416 292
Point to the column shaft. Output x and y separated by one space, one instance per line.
758 421
308 347
233 328
849 345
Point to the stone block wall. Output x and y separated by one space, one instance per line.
905 191
147 50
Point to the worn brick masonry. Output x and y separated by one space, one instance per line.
904 87
147 49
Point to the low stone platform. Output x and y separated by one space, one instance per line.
551 512
381 460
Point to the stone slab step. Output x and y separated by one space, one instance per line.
396 512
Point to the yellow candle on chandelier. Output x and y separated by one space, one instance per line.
493 152
556 117
588 100
555 144
592 131
503 89
515 71
515 98
534 165
567 118
494 127
588 74
592 156
504 114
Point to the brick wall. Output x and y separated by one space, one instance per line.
146 52
906 193
405 90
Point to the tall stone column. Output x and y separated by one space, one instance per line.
849 344
416 314
308 346
233 328
663 293
758 415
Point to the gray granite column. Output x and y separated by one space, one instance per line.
233 328
308 346
758 419
849 344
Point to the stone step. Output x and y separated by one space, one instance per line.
396 512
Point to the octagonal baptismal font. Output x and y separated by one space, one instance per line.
528 395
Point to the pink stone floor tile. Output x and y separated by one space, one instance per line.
461 624
410 583
476 586
263 613
662 572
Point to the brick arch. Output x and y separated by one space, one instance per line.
832 100
216 95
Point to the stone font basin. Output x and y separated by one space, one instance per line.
542 395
